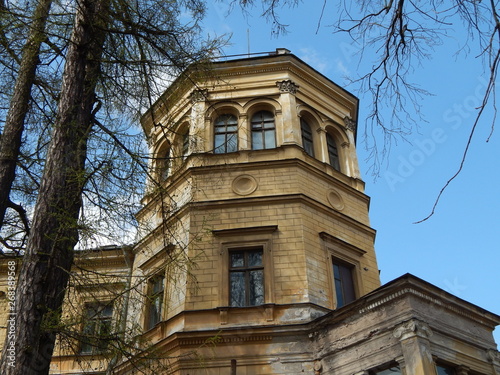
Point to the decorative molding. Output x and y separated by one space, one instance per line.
317 367
223 315
199 96
418 293
244 184
157 260
401 362
412 328
225 340
327 237
335 199
493 356
287 86
462 370
349 123
248 230
269 312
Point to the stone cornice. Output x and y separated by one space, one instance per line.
245 230
409 285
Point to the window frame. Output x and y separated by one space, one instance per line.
224 147
262 130
96 337
247 270
246 238
343 281
152 297
341 251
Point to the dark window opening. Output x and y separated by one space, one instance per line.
344 283
445 370
333 153
226 134
246 277
263 131
97 330
394 370
154 301
163 163
185 145
307 137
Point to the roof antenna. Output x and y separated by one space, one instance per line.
248 41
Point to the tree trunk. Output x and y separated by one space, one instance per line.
54 233
10 142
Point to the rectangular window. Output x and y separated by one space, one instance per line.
246 277
154 301
343 282
96 334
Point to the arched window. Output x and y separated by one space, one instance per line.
307 137
263 131
333 153
226 134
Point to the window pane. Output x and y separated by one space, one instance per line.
344 284
97 329
237 282
256 285
339 293
255 258
237 260
154 312
270 139
157 285
232 143
347 283
444 370
307 138
220 140
257 141
333 152
185 145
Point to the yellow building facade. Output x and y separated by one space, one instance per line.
255 253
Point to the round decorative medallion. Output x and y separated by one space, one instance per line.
335 200
244 184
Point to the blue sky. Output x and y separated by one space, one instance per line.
457 249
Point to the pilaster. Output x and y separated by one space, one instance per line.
291 133
414 338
